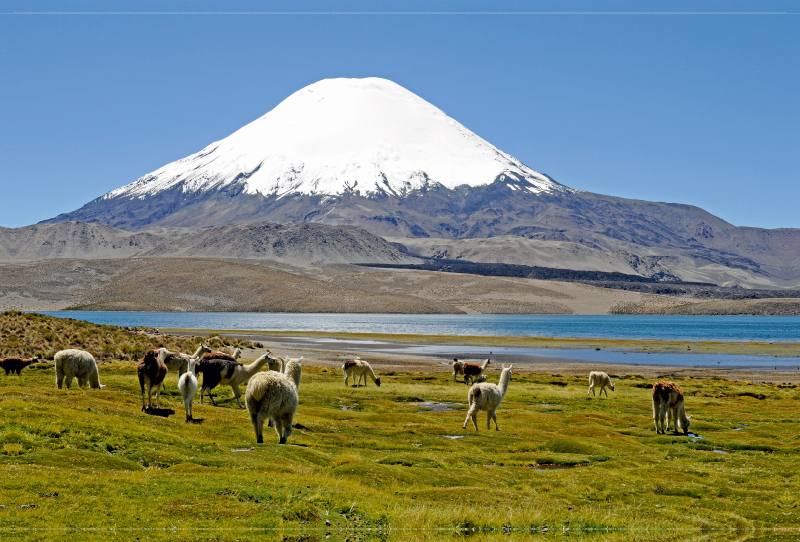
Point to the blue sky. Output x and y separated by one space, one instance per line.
695 108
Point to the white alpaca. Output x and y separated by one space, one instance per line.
187 384
179 362
487 397
360 369
227 373
273 396
598 377
78 364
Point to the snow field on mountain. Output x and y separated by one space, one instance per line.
341 134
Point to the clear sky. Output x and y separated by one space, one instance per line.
688 102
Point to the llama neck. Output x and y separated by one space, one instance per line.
485 363
293 371
256 366
198 352
505 377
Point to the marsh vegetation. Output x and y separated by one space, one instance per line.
376 458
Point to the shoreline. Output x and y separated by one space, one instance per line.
325 350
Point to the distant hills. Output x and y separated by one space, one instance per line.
368 153
300 244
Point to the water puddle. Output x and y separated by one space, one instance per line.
695 436
417 444
719 451
242 449
739 428
433 406
454 437
349 408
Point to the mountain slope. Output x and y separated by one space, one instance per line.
303 244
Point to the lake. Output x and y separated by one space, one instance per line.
688 328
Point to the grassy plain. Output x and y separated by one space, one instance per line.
375 463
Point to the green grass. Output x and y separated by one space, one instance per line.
560 461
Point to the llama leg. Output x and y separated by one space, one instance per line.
68 381
494 417
59 379
238 394
604 390
591 389
82 381
258 425
158 396
662 417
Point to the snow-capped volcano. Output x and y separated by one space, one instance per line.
344 135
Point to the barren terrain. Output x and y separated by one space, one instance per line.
193 284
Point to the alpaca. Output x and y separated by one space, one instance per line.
73 363
151 371
225 371
668 406
360 369
273 396
15 365
458 368
473 370
598 377
487 397
178 361
187 384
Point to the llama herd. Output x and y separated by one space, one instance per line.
272 395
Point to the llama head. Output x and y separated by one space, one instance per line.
205 349
162 354
612 386
378 381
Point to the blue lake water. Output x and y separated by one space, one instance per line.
689 328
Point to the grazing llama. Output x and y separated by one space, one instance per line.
488 397
15 364
361 369
472 371
668 406
273 396
601 378
73 363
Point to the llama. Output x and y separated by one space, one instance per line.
273 396
73 363
360 369
487 397
458 368
228 372
187 384
601 378
237 353
473 370
151 371
15 364
668 406
178 361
